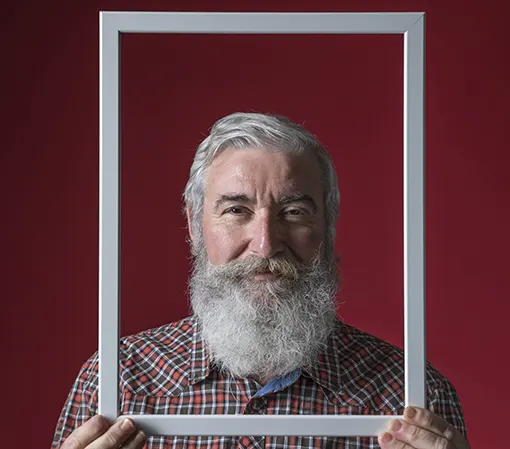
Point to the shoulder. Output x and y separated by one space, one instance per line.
156 361
170 340
152 362
373 370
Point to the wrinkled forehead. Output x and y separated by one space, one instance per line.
262 172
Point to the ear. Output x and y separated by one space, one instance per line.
190 229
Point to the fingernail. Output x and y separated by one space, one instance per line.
387 438
127 425
395 425
141 436
410 412
99 422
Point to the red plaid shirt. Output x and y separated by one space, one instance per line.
166 371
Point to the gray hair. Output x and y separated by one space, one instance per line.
252 130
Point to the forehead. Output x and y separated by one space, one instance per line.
259 171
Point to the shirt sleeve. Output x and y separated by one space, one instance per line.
81 403
444 401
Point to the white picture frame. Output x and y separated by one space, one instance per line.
112 24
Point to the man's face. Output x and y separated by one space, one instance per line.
263 204
261 288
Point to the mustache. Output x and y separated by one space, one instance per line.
279 266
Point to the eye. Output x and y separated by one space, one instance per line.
234 210
294 212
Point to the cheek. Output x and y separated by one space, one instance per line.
305 241
222 244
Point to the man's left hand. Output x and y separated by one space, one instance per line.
421 429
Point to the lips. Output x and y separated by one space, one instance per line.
266 274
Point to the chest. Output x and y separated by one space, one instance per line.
227 398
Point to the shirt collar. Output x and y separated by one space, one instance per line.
199 358
329 369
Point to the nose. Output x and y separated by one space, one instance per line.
266 237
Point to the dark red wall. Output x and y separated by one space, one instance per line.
346 89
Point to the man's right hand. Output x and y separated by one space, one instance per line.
97 433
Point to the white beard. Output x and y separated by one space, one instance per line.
263 328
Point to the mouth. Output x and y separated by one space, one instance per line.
264 275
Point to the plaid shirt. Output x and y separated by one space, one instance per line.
166 371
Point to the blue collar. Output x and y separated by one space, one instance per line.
279 383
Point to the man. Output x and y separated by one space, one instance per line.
261 202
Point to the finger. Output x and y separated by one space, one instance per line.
386 441
136 441
117 434
86 433
427 420
406 435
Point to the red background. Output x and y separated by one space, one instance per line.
345 89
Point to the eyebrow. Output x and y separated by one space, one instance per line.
286 199
299 198
231 198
